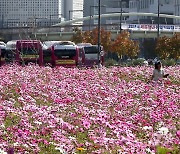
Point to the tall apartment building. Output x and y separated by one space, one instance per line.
25 12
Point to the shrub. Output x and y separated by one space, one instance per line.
111 62
168 62
139 61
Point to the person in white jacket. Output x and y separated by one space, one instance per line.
158 72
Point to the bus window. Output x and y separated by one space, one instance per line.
64 55
29 51
91 55
2 53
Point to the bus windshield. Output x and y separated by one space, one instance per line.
65 53
29 51
91 50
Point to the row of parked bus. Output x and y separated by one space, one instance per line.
54 53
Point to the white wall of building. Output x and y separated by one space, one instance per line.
177 10
29 10
72 9
166 7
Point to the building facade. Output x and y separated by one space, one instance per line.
15 13
107 6
177 10
171 7
151 6
72 9
25 12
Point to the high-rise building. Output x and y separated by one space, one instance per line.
28 12
107 6
177 10
171 7
151 6
72 9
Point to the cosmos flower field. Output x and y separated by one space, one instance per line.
71 110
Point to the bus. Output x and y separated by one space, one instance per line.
65 53
91 54
29 51
2 53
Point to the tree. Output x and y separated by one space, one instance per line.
149 46
78 36
123 45
175 46
163 47
92 37
132 49
168 47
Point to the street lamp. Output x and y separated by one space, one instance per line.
91 14
120 27
99 29
158 20
138 9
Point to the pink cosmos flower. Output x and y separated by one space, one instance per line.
178 133
86 124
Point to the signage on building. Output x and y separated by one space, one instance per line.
151 27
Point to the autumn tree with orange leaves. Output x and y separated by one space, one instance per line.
92 37
123 45
168 47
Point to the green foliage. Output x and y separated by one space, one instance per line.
78 36
47 149
168 62
110 62
168 47
11 120
164 150
82 137
139 61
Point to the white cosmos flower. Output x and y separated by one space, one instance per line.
147 128
2 152
38 122
163 130
149 151
61 150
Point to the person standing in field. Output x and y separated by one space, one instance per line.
158 72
